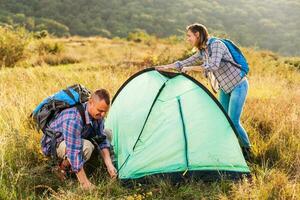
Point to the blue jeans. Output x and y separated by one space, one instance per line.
233 103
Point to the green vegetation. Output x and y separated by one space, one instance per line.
271 117
267 24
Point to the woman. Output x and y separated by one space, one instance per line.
219 65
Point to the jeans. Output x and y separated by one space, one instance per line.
233 103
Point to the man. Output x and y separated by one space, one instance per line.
74 145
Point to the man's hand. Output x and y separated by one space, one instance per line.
112 171
107 160
88 186
84 181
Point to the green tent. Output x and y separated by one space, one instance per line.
169 123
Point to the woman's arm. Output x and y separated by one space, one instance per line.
197 68
166 67
178 65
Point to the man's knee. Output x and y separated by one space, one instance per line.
88 149
61 150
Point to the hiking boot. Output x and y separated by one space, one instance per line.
59 173
63 170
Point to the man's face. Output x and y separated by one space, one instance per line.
97 108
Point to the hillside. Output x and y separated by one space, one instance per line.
271 117
266 24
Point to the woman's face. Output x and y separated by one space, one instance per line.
192 38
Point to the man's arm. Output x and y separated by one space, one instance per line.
107 160
104 147
72 128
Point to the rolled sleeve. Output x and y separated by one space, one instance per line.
72 134
105 144
191 61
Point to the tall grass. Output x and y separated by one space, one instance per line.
271 117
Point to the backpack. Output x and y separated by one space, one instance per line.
238 57
50 107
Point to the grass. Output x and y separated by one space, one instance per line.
271 117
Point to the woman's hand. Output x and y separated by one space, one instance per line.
185 69
160 68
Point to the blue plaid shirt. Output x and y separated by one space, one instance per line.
69 122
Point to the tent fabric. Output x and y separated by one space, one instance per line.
170 123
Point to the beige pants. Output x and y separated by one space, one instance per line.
87 148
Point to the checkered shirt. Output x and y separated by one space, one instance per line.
216 61
69 122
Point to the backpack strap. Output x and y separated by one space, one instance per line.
79 107
55 135
81 110
69 93
53 144
234 64
212 40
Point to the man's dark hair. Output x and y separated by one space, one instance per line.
102 94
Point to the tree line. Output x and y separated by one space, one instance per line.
266 24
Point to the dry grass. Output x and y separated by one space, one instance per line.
271 116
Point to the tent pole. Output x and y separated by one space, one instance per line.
184 134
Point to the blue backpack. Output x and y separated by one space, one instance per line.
238 57
50 107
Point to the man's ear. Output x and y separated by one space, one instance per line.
197 34
90 102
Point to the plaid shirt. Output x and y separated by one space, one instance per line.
227 75
70 124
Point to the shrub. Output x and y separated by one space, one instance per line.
61 59
12 46
41 34
293 62
139 36
45 47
